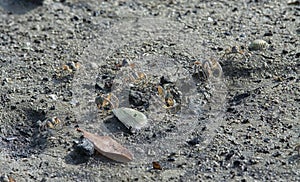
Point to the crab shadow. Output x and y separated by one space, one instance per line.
113 125
20 6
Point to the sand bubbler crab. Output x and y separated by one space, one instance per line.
231 52
207 69
107 101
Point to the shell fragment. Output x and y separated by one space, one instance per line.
258 45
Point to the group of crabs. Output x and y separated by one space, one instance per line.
140 91
167 90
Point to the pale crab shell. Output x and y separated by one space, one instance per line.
131 118
258 45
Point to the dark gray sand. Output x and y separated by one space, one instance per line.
242 126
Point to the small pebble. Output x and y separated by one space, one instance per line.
53 97
194 141
86 147
210 19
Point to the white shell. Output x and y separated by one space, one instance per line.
258 45
131 118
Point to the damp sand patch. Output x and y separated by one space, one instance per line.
158 48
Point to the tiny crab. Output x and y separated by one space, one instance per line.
132 75
71 66
171 97
124 63
137 76
208 68
107 101
234 50
166 95
199 69
48 123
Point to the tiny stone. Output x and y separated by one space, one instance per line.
74 102
53 97
86 146
165 80
245 121
151 152
4 178
136 98
93 66
194 141
171 159
276 154
237 163
229 155
268 33
227 33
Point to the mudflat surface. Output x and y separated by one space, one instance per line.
242 125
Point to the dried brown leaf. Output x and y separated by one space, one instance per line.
108 147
